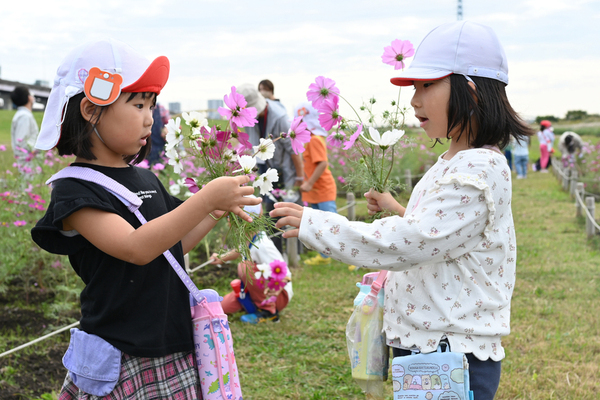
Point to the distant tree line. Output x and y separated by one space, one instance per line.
573 115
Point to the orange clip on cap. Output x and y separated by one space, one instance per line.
102 88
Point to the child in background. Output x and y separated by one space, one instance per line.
546 137
521 155
263 253
318 188
452 250
135 311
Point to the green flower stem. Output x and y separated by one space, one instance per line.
381 183
391 166
355 112
398 106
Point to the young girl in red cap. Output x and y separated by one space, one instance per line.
546 138
451 251
136 332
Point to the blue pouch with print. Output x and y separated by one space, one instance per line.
94 364
441 375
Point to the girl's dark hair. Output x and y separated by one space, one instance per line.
486 108
76 131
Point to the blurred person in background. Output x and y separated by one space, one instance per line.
569 145
24 129
521 155
318 188
159 132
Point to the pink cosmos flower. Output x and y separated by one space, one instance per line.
299 135
2 147
260 282
349 143
341 179
397 53
329 113
275 284
265 302
20 223
238 113
158 167
279 270
192 185
241 137
336 139
322 90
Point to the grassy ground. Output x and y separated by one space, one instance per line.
554 348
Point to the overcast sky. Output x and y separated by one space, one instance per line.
553 46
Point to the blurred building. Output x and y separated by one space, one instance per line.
213 106
175 107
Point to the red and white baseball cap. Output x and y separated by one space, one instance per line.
102 69
464 48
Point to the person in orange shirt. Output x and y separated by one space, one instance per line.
318 188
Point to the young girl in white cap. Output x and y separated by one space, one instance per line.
451 251
136 332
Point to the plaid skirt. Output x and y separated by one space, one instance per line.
171 377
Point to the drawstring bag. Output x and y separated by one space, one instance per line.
439 375
365 339
207 312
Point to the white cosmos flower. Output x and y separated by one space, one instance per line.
265 181
265 149
194 120
386 140
194 145
174 189
174 136
174 160
247 163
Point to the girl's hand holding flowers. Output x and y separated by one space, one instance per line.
383 203
291 214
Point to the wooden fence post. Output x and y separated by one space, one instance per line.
566 179
590 203
186 261
291 245
574 177
408 179
581 192
350 200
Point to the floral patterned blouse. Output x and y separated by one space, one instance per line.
452 255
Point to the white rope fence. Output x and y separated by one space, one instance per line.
73 325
